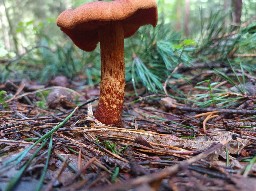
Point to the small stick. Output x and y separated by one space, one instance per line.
13 142
230 111
40 90
244 55
19 90
79 160
169 77
80 172
206 114
57 175
207 119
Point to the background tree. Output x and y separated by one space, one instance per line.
186 17
237 6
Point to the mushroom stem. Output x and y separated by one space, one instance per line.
112 85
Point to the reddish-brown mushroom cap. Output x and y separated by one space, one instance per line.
83 23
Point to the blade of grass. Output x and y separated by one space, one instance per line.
249 167
21 156
148 79
227 157
13 182
40 184
115 174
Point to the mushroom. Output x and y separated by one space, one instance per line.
108 23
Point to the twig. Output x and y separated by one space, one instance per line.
79 173
209 115
230 111
169 77
159 176
13 142
79 160
201 65
19 90
57 175
44 89
244 55
206 114
87 102
207 119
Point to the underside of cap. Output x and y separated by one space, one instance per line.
83 23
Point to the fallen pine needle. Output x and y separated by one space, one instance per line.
159 176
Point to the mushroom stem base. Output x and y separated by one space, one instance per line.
112 85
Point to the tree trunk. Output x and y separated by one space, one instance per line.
186 18
12 32
237 6
179 15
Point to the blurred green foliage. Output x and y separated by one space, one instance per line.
3 96
150 55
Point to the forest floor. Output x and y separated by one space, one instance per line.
163 145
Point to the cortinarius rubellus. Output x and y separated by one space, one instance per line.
108 23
